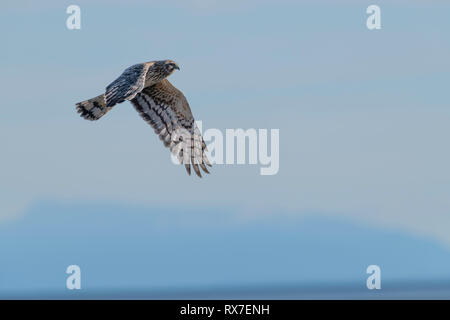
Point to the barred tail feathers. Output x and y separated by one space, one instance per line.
93 109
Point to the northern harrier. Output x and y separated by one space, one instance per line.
162 105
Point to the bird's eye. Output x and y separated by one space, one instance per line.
171 67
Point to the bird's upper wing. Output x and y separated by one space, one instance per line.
125 87
166 109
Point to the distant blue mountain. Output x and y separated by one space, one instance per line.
144 252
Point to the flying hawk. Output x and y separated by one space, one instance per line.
162 105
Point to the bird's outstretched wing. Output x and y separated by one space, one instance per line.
125 87
166 109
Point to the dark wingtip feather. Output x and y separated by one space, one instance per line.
197 170
206 160
202 165
188 168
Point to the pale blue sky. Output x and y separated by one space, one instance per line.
363 115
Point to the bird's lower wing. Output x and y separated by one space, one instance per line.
166 109
130 83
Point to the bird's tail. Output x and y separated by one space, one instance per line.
93 109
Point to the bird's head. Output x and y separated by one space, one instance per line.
161 69
165 67
171 66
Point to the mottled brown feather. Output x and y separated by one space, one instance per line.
167 110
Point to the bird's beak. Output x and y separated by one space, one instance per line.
177 67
